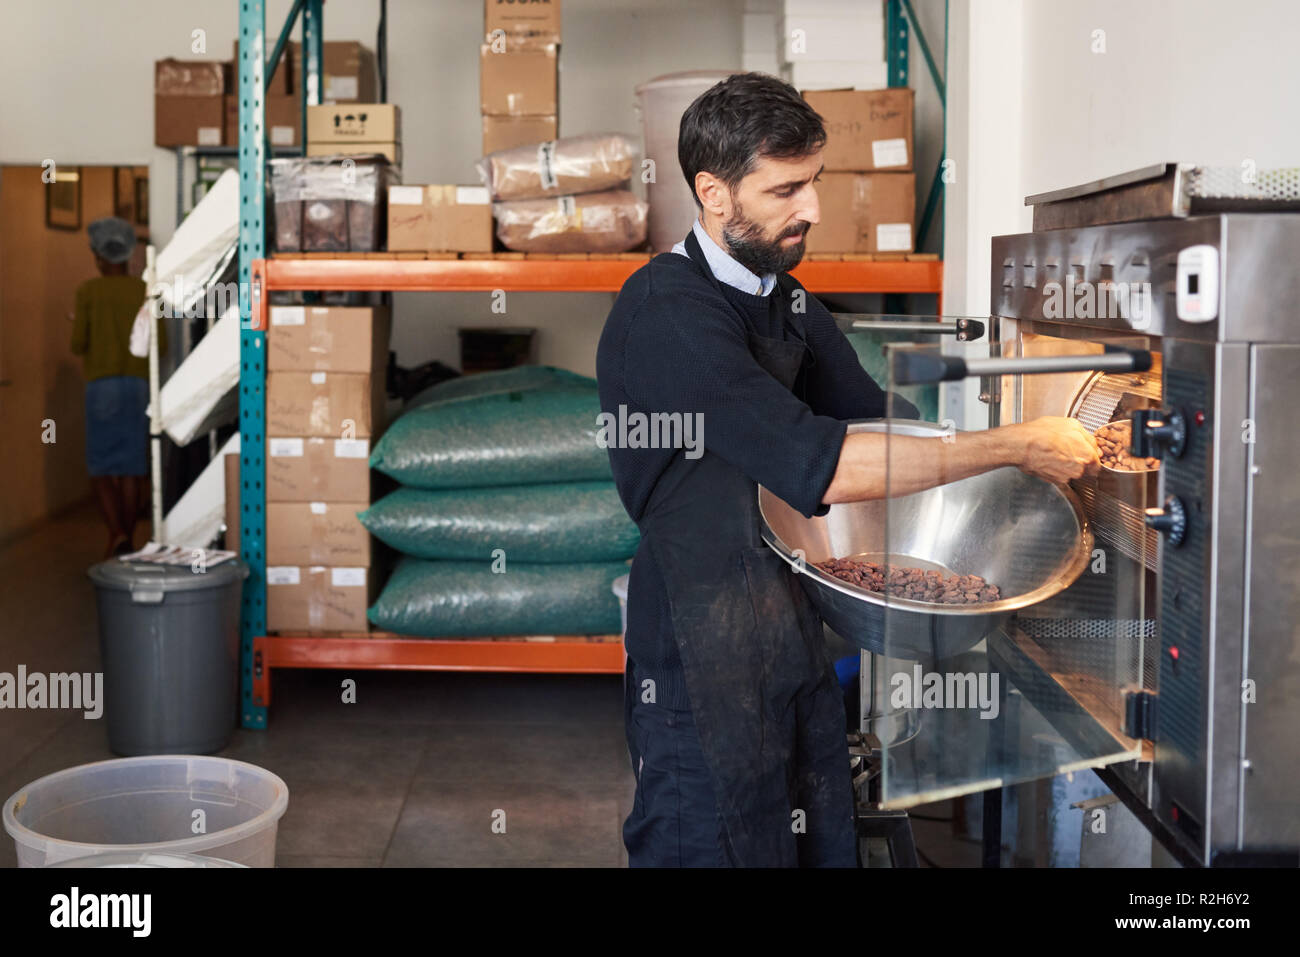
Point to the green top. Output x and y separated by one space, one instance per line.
105 311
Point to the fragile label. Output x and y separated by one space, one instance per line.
348 577
406 195
471 196
285 448
889 152
209 136
351 448
896 237
318 378
288 315
282 575
319 508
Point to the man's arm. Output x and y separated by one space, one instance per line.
1053 448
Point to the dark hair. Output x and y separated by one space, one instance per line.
733 123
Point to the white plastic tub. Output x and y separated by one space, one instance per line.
145 859
149 805
620 589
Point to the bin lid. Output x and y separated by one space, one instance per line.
149 576
145 859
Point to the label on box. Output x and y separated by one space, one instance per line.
282 136
893 236
318 378
348 577
209 135
406 195
288 315
471 196
282 575
340 87
285 448
889 152
568 206
546 164
319 508
351 448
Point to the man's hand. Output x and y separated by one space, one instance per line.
1057 448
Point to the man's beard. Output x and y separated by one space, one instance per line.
752 249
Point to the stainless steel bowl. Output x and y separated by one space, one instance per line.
1023 534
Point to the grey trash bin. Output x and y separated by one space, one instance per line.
169 639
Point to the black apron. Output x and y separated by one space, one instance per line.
764 698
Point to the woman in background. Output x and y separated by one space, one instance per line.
117 383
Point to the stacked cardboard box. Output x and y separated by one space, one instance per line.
867 192
518 74
324 408
355 128
348 72
188 108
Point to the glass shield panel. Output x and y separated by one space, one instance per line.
1003 601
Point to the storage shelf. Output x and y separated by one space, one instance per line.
601 654
385 271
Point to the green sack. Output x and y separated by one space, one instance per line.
559 522
511 438
517 379
467 599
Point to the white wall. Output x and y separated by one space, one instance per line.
1033 108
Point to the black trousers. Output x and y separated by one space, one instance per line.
675 821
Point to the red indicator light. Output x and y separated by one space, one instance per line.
1173 652
1199 417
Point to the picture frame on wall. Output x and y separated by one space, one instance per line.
131 195
63 200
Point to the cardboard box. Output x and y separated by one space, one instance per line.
316 533
354 123
390 151
188 120
439 219
283 120
324 404
317 470
535 19
318 598
284 80
349 72
865 129
192 77
865 213
328 339
518 80
507 132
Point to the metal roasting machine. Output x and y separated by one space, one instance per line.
1162 306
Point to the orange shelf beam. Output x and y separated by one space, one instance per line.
560 275
566 655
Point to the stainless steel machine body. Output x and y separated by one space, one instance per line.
1216 696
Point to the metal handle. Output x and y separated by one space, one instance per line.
912 367
965 330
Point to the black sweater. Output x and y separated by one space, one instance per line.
674 343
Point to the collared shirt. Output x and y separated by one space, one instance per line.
725 268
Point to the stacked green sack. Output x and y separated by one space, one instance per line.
508 517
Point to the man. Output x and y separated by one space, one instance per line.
734 720
117 383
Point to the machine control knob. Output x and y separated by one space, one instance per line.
1155 432
1170 521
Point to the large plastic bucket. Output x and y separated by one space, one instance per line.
145 859
165 804
661 103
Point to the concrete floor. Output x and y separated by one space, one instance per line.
409 776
